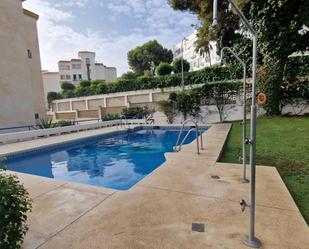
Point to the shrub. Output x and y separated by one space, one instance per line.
68 94
67 86
133 112
177 68
51 96
296 95
101 88
129 76
85 83
63 123
167 107
46 123
296 66
14 205
108 117
220 94
164 69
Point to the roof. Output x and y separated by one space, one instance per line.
76 60
86 52
47 72
31 14
62 61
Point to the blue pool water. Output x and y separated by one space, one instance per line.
118 160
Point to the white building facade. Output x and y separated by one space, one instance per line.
85 67
196 60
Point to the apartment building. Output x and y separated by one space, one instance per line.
21 95
85 67
196 60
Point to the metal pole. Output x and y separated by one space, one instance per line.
250 240
182 76
244 135
244 130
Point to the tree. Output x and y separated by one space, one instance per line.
141 57
67 86
280 29
129 76
177 65
51 96
164 69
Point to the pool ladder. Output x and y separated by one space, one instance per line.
199 136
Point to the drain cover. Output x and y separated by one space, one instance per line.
215 177
198 227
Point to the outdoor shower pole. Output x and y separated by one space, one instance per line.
244 135
249 240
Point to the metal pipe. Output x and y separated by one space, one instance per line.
182 73
244 135
250 240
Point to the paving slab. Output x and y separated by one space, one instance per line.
155 218
55 210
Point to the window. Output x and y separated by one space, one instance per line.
64 67
80 77
68 77
36 116
74 77
62 77
87 61
29 54
76 66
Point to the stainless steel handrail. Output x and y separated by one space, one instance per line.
198 133
125 118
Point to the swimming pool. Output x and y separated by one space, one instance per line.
117 160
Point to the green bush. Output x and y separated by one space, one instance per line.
51 96
168 108
14 205
136 112
220 94
63 123
68 94
67 86
46 123
209 74
164 69
296 66
177 67
108 117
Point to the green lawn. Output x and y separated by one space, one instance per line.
282 142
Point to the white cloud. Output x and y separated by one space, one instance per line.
60 41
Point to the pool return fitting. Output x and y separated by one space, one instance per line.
250 239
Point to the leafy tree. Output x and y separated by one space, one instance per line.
141 57
280 29
129 76
186 103
164 69
67 86
177 65
167 107
51 96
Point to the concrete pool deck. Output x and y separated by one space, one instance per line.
158 212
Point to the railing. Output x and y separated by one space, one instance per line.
198 135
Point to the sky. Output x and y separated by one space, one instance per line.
108 27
